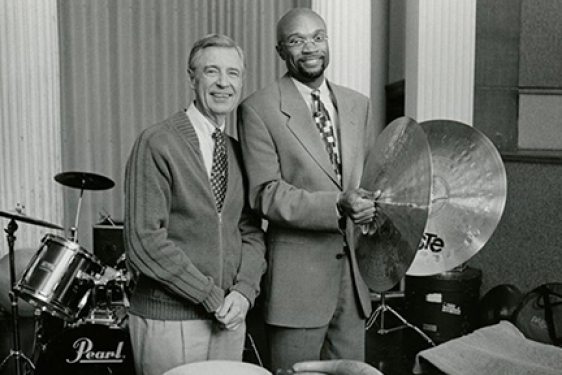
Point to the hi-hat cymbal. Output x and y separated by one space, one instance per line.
84 180
18 216
467 197
400 167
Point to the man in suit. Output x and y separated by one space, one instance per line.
190 236
315 300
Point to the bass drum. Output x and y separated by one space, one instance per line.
89 349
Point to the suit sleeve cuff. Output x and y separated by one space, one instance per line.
342 222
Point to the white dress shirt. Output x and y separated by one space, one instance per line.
204 129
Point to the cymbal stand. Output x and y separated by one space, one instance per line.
381 309
16 352
74 229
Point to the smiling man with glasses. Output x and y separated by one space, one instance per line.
305 141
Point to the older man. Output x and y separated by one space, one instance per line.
305 142
196 248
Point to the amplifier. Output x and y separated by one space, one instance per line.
108 242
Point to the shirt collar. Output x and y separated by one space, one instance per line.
201 122
307 91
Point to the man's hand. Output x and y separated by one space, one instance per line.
358 205
335 367
233 310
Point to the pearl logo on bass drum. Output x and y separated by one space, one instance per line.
88 349
85 353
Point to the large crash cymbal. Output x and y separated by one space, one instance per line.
400 167
467 197
20 216
84 180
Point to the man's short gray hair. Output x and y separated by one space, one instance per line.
212 40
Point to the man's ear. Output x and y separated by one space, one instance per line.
280 52
191 75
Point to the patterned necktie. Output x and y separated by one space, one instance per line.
219 171
322 120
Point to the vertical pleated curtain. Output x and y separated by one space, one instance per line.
29 120
123 68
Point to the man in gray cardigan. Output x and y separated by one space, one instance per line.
198 254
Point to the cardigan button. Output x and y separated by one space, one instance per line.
339 256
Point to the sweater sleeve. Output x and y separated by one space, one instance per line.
253 264
147 204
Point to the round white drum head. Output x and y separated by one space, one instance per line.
218 367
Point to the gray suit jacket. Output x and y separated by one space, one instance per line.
293 186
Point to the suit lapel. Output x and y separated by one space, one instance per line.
302 125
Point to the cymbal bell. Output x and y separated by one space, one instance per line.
84 180
467 197
400 167
18 216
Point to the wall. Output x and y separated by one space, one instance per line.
512 67
526 248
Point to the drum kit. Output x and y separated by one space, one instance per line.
87 299
443 191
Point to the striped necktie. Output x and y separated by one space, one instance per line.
219 171
322 120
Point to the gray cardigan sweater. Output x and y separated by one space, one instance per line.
185 254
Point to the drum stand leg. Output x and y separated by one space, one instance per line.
383 307
15 353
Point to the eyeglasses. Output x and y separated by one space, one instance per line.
300 42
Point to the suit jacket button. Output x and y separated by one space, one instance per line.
339 256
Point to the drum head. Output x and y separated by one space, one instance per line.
88 350
218 367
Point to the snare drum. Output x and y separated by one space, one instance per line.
59 278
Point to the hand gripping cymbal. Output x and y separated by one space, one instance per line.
467 197
400 167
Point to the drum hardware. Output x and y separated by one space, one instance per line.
16 353
381 309
108 301
47 327
82 181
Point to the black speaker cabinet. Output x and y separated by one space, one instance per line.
108 243
444 306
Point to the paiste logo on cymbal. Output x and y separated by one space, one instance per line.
431 242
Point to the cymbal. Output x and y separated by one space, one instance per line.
18 216
84 180
467 197
400 167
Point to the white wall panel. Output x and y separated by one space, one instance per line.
440 59
358 40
